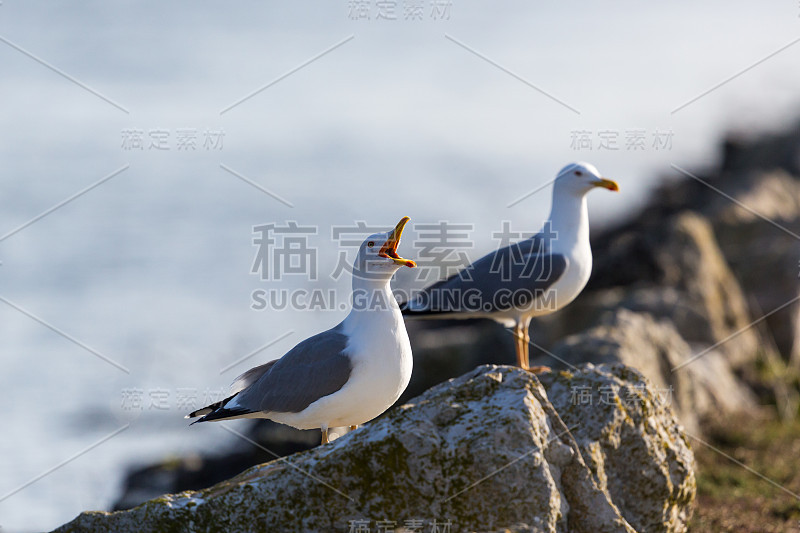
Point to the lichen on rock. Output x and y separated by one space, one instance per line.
630 441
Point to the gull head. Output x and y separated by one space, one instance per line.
580 178
377 256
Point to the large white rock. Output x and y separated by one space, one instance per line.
484 452
630 441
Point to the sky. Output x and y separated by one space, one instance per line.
143 142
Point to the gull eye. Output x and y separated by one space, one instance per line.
578 173
371 244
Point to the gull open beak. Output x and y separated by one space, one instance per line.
389 248
611 185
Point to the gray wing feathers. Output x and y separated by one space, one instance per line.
514 276
314 368
251 376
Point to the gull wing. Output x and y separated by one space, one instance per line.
516 276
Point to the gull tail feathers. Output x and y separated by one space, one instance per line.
218 411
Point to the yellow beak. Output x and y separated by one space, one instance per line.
389 248
611 185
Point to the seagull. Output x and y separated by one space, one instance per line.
533 277
344 376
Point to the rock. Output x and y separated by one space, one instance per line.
673 270
754 208
765 152
753 205
698 390
487 452
765 254
645 464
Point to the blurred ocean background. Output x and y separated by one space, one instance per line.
131 304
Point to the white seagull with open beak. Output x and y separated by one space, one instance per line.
344 376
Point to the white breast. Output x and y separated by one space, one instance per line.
574 279
382 362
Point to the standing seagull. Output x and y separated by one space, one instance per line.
529 278
344 376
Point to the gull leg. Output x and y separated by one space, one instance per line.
526 343
533 369
324 431
519 336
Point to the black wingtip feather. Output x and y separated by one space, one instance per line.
217 411
406 311
221 414
422 312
